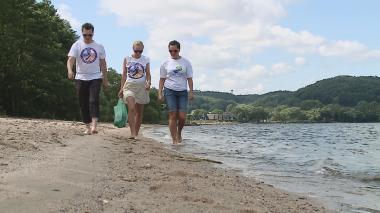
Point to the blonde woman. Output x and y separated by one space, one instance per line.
135 86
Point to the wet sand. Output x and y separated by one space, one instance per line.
50 166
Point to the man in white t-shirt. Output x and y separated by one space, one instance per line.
91 72
176 74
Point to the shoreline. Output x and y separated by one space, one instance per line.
50 165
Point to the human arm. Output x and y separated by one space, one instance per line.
103 69
161 84
123 78
70 64
191 92
148 77
160 89
190 80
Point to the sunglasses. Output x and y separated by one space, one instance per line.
87 35
138 51
173 51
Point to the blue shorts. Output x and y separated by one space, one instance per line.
176 101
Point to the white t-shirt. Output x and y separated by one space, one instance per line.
87 59
136 69
176 72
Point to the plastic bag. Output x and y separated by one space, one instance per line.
120 113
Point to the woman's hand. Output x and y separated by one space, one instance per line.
160 96
191 95
147 85
120 94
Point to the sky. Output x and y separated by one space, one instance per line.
248 46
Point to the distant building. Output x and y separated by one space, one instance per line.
201 116
226 116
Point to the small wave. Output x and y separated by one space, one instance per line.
362 177
375 178
369 210
330 171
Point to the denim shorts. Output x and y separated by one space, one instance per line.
176 101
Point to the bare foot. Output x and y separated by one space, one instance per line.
175 142
87 132
179 138
94 131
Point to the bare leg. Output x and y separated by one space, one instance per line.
173 126
139 116
181 124
132 115
94 126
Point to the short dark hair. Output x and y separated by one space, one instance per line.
176 43
88 26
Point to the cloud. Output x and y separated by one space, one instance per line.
348 48
64 12
280 68
299 61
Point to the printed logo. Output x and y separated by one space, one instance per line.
178 69
135 70
88 55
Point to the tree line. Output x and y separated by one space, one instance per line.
338 99
309 111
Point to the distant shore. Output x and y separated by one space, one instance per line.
210 122
215 122
48 165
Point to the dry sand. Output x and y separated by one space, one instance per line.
49 166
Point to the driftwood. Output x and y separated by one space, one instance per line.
194 159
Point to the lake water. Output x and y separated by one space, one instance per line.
336 163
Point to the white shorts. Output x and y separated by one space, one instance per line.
136 90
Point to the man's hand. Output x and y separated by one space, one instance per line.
70 75
106 84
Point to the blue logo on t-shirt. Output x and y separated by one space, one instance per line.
135 70
177 69
88 55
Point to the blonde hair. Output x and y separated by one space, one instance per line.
138 43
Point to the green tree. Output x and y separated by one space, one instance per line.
310 104
258 114
217 111
34 42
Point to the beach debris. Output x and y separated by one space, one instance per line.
129 179
148 166
105 201
195 159
154 188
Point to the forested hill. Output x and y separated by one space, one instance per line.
342 98
342 90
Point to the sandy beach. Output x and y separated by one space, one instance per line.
50 166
